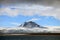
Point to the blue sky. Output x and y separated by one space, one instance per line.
6 21
14 13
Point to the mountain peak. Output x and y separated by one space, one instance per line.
29 24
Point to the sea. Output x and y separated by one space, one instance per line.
43 37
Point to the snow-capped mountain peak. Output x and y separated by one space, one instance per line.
29 24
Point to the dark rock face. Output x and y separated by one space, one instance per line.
30 24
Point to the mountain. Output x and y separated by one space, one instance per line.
29 27
30 24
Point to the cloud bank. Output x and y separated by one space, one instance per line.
30 30
30 7
31 10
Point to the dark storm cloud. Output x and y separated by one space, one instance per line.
39 7
37 2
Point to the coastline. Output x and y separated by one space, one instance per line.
32 34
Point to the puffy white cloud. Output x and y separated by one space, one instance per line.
31 10
8 11
34 19
15 24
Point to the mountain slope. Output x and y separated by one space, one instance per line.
30 24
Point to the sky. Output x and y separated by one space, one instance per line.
16 12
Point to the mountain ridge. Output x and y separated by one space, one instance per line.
30 24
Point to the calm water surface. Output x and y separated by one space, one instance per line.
29 37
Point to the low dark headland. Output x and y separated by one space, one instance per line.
30 34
